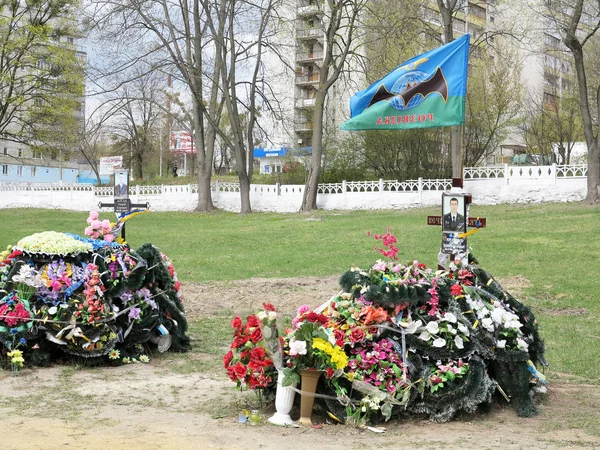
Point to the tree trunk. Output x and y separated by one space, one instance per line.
204 162
309 200
593 175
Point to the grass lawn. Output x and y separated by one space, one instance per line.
554 246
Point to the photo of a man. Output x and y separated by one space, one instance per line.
121 188
453 220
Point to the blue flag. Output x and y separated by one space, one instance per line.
426 91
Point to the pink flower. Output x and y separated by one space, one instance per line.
106 223
303 309
96 224
381 266
93 215
88 231
109 237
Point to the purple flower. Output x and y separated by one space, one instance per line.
134 313
126 297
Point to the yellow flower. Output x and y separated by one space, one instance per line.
16 357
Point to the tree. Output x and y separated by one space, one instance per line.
340 28
206 45
241 43
576 33
136 122
494 101
41 77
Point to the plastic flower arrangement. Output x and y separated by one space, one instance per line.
51 242
247 363
312 345
445 373
99 229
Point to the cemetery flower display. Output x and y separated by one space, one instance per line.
417 341
312 346
66 292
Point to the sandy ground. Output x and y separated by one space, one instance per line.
152 407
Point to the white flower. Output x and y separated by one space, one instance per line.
488 324
459 342
501 343
411 327
463 329
297 347
498 315
424 336
433 327
522 344
449 317
439 342
261 315
513 324
52 310
451 329
346 295
272 315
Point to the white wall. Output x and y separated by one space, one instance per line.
488 185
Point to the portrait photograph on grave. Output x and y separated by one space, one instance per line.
121 184
454 216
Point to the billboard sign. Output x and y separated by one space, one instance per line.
181 142
110 164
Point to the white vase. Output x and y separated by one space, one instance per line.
284 400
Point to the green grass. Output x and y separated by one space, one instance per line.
554 246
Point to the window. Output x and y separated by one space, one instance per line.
4 169
34 171
20 171
5 151
69 40
20 153
37 154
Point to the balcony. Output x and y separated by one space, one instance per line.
310 10
307 80
309 33
303 103
303 126
306 57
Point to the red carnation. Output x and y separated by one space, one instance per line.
239 341
258 353
256 335
268 306
240 371
236 323
171 270
314 317
456 289
231 373
252 321
329 373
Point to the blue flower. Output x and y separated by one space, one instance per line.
23 341
13 331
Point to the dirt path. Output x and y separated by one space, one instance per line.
151 407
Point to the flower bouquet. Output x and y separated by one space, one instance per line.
247 362
312 346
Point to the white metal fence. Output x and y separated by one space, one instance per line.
489 185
